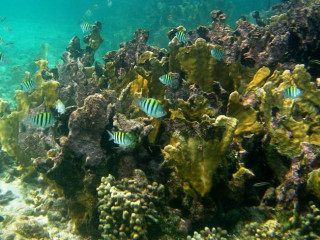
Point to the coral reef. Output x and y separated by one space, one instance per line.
234 147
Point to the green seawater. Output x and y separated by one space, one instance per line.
42 29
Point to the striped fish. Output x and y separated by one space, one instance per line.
85 27
121 138
44 119
181 35
292 92
217 53
166 79
28 85
151 107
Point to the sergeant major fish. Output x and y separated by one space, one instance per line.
217 53
121 138
151 107
166 79
28 85
85 27
44 120
292 92
181 35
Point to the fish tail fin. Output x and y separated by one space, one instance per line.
111 137
137 101
27 120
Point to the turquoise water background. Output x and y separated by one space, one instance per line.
35 25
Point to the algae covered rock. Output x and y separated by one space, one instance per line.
196 150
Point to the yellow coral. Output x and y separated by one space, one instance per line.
196 61
289 122
199 108
314 182
247 116
292 129
196 159
9 130
259 79
49 91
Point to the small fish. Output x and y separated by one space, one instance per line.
292 92
85 27
261 184
95 6
28 85
88 13
3 19
1 57
166 79
318 82
315 61
228 27
9 43
109 3
217 53
59 106
8 28
16 68
121 138
151 107
181 35
44 119
170 17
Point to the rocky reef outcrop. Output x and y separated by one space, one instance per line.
289 37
